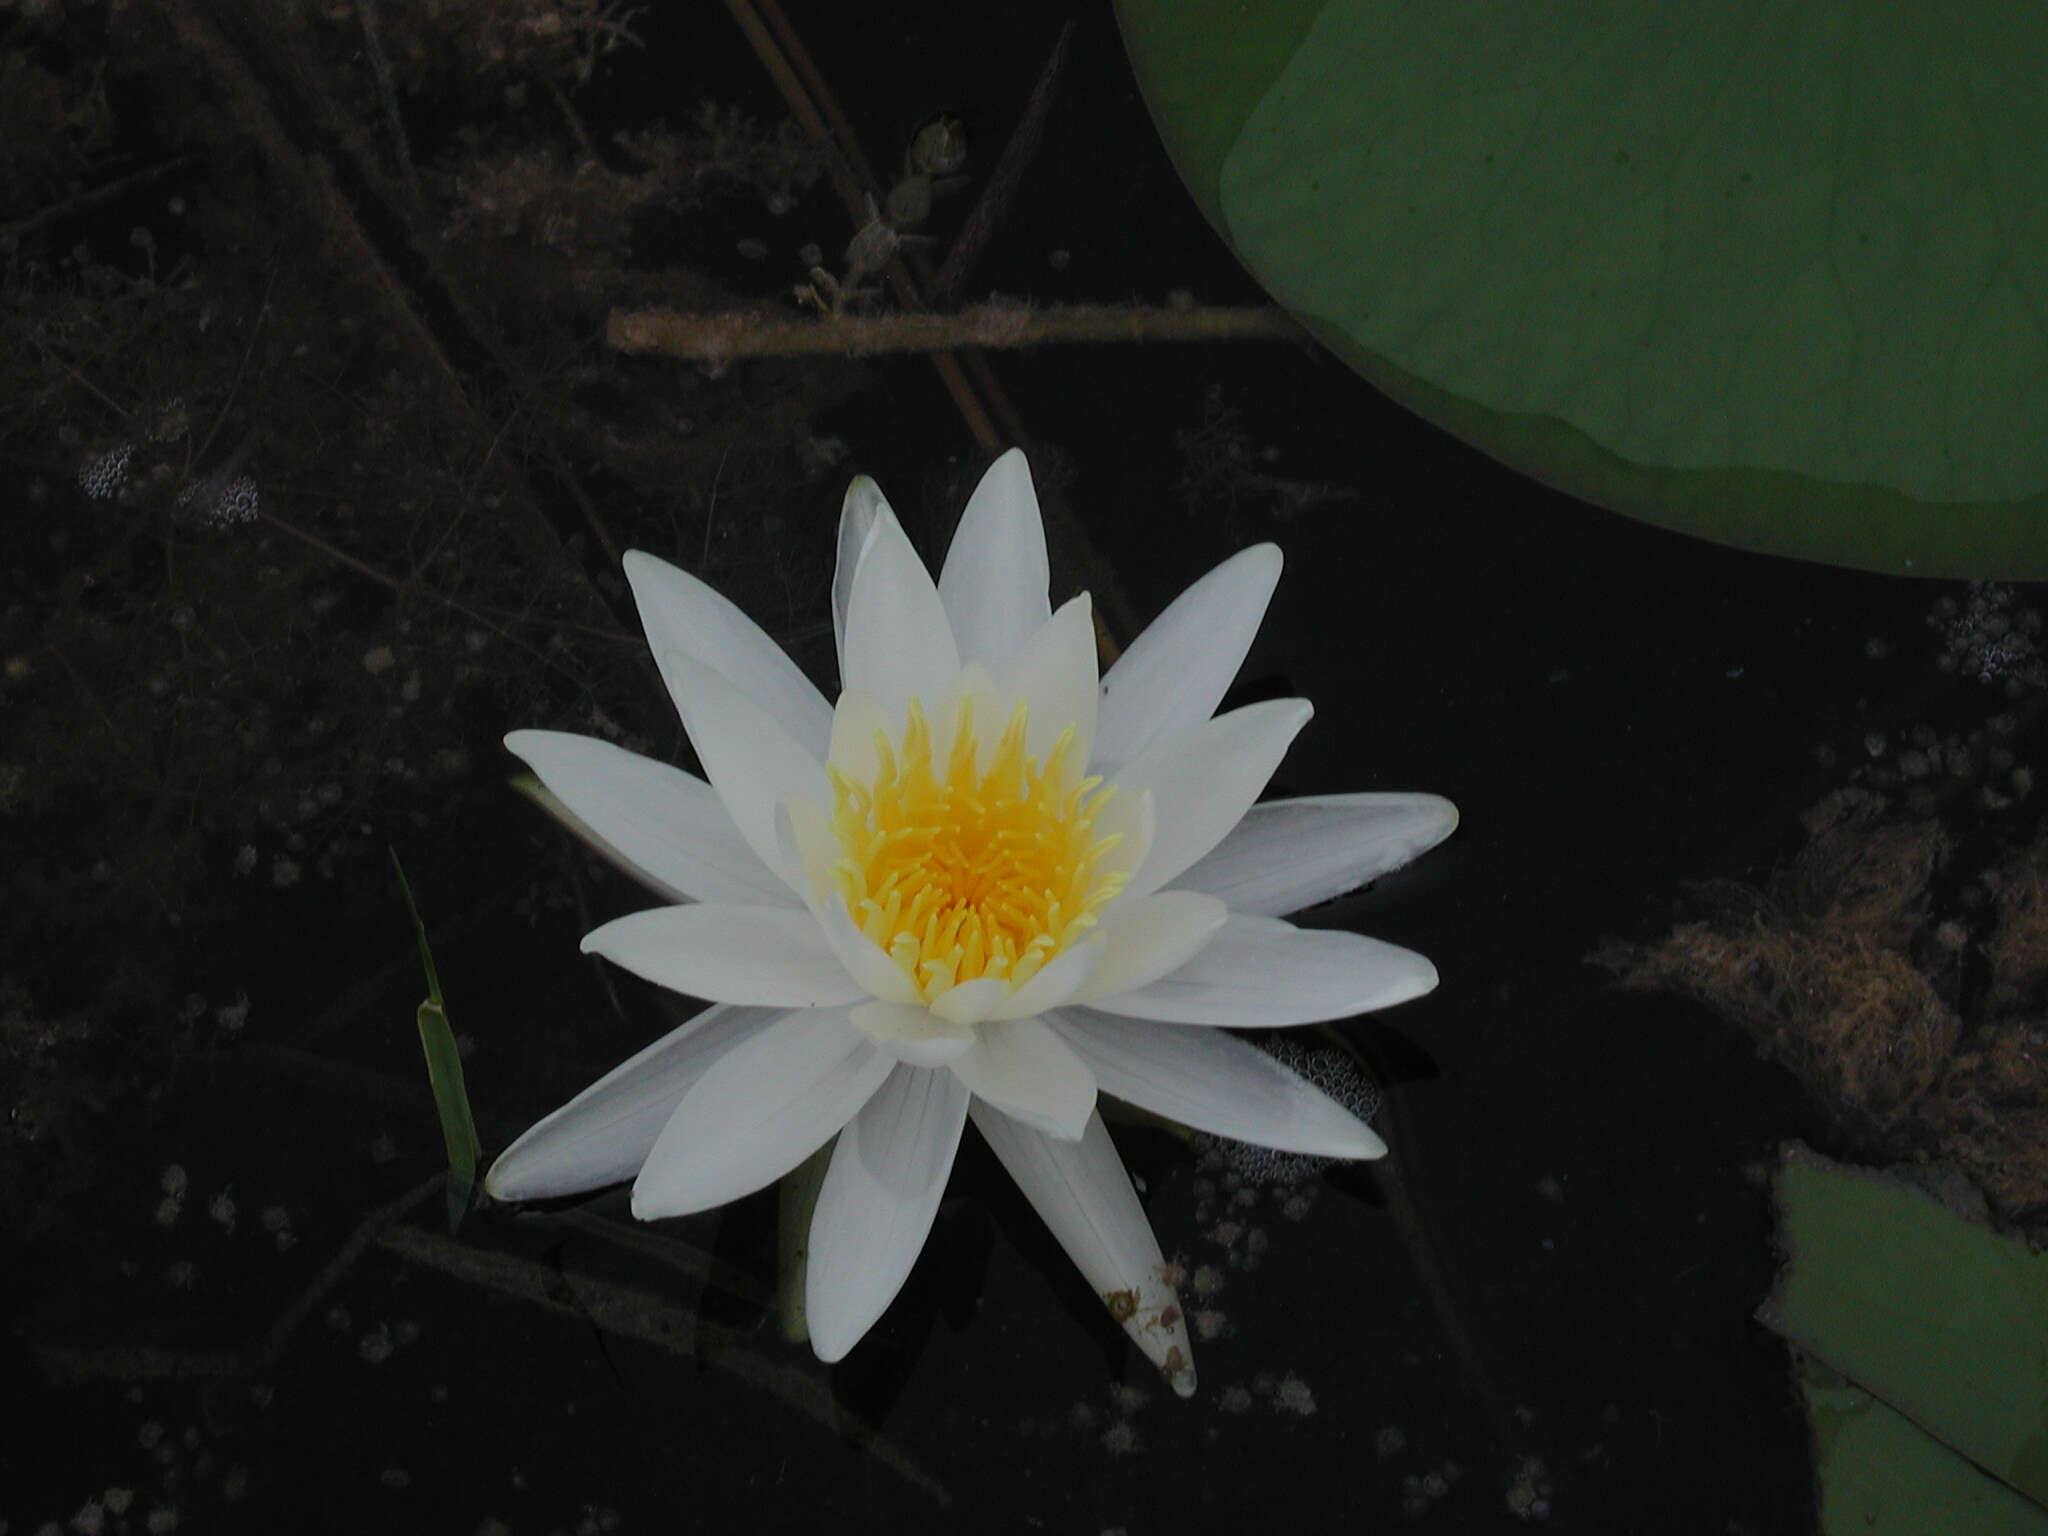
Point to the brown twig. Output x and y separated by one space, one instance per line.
723 337
994 203
851 178
98 197
627 1313
387 97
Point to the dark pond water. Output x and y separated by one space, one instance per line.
1538 1312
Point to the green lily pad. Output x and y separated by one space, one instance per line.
1882 1475
1942 1322
1776 275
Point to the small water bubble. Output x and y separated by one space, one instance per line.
1293 1396
104 477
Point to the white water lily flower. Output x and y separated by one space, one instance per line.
984 885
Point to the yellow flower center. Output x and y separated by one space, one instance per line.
960 872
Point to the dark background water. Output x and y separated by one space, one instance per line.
1614 709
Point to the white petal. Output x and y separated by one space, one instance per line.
1204 778
1176 672
1056 982
857 719
971 1001
604 1134
750 759
666 827
1054 674
913 1034
857 513
899 643
873 972
1031 1074
1213 1082
761 1108
804 842
1134 820
1081 1192
995 577
877 1204
771 957
1262 973
680 613
1146 938
1290 854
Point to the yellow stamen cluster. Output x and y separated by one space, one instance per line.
959 872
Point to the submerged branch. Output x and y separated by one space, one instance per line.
628 1313
723 337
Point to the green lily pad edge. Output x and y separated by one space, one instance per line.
1205 68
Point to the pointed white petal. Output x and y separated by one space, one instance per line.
971 1001
1262 973
857 719
1054 984
1081 1192
1054 674
872 971
1147 937
680 613
913 1034
604 1134
1204 778
665 827
1290 854
770 957
759 1110
804 842
899 643
1031 1074
750 759
1215 1082
857 513
1176 672
1133 819
995 577
877 1204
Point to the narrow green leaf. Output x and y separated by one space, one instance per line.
444 1070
